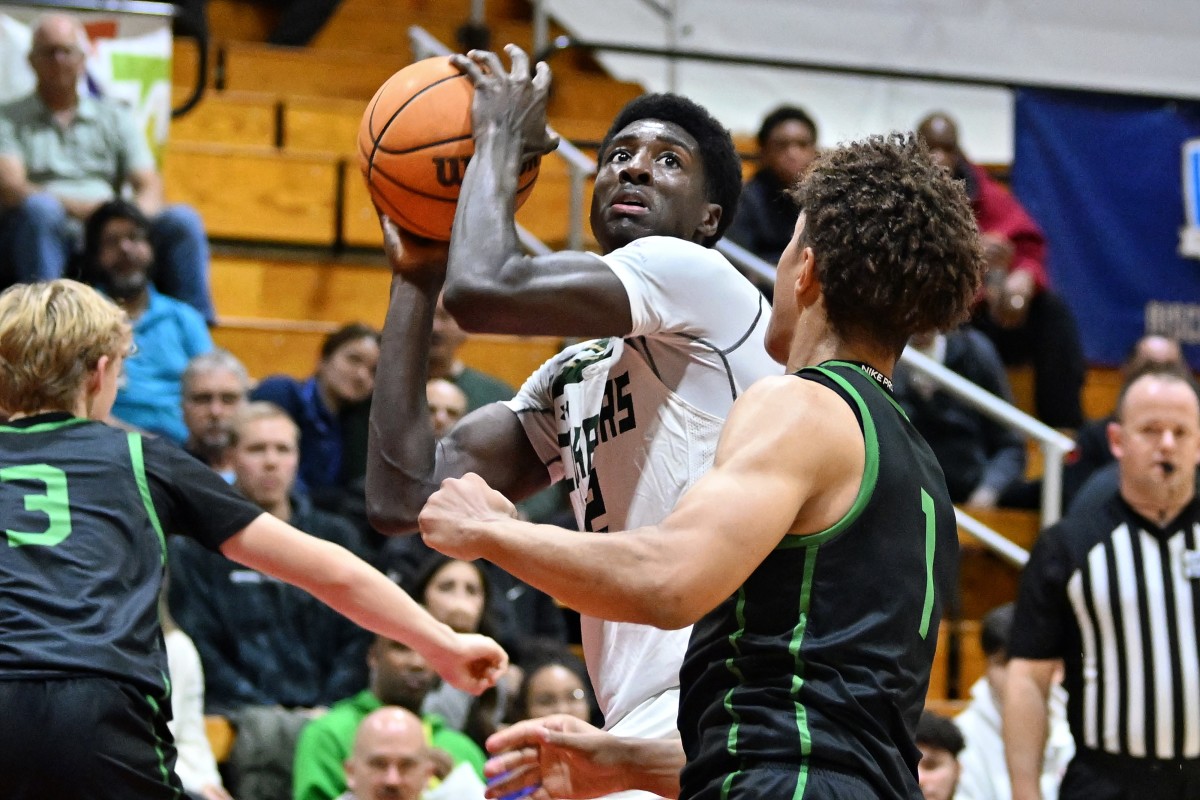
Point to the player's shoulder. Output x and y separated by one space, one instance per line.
654 251
790 403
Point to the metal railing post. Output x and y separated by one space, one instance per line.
541 27
578 183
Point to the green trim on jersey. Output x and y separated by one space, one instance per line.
930 547
806 584
731 746
158 750
870 472
139 474
42 427
858 367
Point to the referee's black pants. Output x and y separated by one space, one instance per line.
1092 775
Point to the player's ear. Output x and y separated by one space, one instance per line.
95 375
710 221
808 283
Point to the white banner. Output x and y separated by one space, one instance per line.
128 58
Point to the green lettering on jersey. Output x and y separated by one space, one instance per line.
54 503
930 542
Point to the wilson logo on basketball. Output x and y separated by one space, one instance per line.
450 170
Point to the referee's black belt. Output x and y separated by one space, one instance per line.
1131 766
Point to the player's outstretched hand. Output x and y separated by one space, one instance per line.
414 257
554 757
472 662
450 519
514 100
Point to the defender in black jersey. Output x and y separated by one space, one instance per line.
84 510
812 557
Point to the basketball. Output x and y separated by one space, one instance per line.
414 144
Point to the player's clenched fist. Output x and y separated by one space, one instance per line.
452 517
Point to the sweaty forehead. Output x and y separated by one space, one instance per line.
656 130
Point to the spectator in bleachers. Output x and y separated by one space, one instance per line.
215 385
330 409
984 773
457 593
448 338
194 764
556 682
1027 322
766 217
390 758
271 653
390 761
980 456
940 742
398 676
519 616
167 333
263 642
1092 456
447 405
63 153
481 389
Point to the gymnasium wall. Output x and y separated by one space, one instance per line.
1109 45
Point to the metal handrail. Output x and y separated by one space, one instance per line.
1008 550
1054 444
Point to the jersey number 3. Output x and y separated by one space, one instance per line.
53 502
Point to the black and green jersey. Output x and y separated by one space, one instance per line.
820 661
83 510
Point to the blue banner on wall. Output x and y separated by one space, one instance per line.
1115 183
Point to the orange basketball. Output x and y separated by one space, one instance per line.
414 144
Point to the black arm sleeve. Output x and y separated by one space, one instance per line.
191 499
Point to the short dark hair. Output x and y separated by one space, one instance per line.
346 334
781 115
934 730
997 630
722 164
1165 371
896 245
94 228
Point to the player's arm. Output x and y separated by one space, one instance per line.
404 462
491 285
14 182
790 459
350 586
563 757
147 191
1026 722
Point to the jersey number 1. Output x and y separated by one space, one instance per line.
54 503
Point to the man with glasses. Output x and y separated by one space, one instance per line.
63 153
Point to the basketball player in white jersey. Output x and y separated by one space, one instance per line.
628 419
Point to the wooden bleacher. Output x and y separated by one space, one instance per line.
302 106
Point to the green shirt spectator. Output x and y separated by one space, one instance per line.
326 742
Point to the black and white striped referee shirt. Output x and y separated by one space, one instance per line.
1118 599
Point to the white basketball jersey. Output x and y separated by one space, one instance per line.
632 423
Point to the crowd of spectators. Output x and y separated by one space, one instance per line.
319 704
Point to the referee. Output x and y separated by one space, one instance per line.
1113 593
